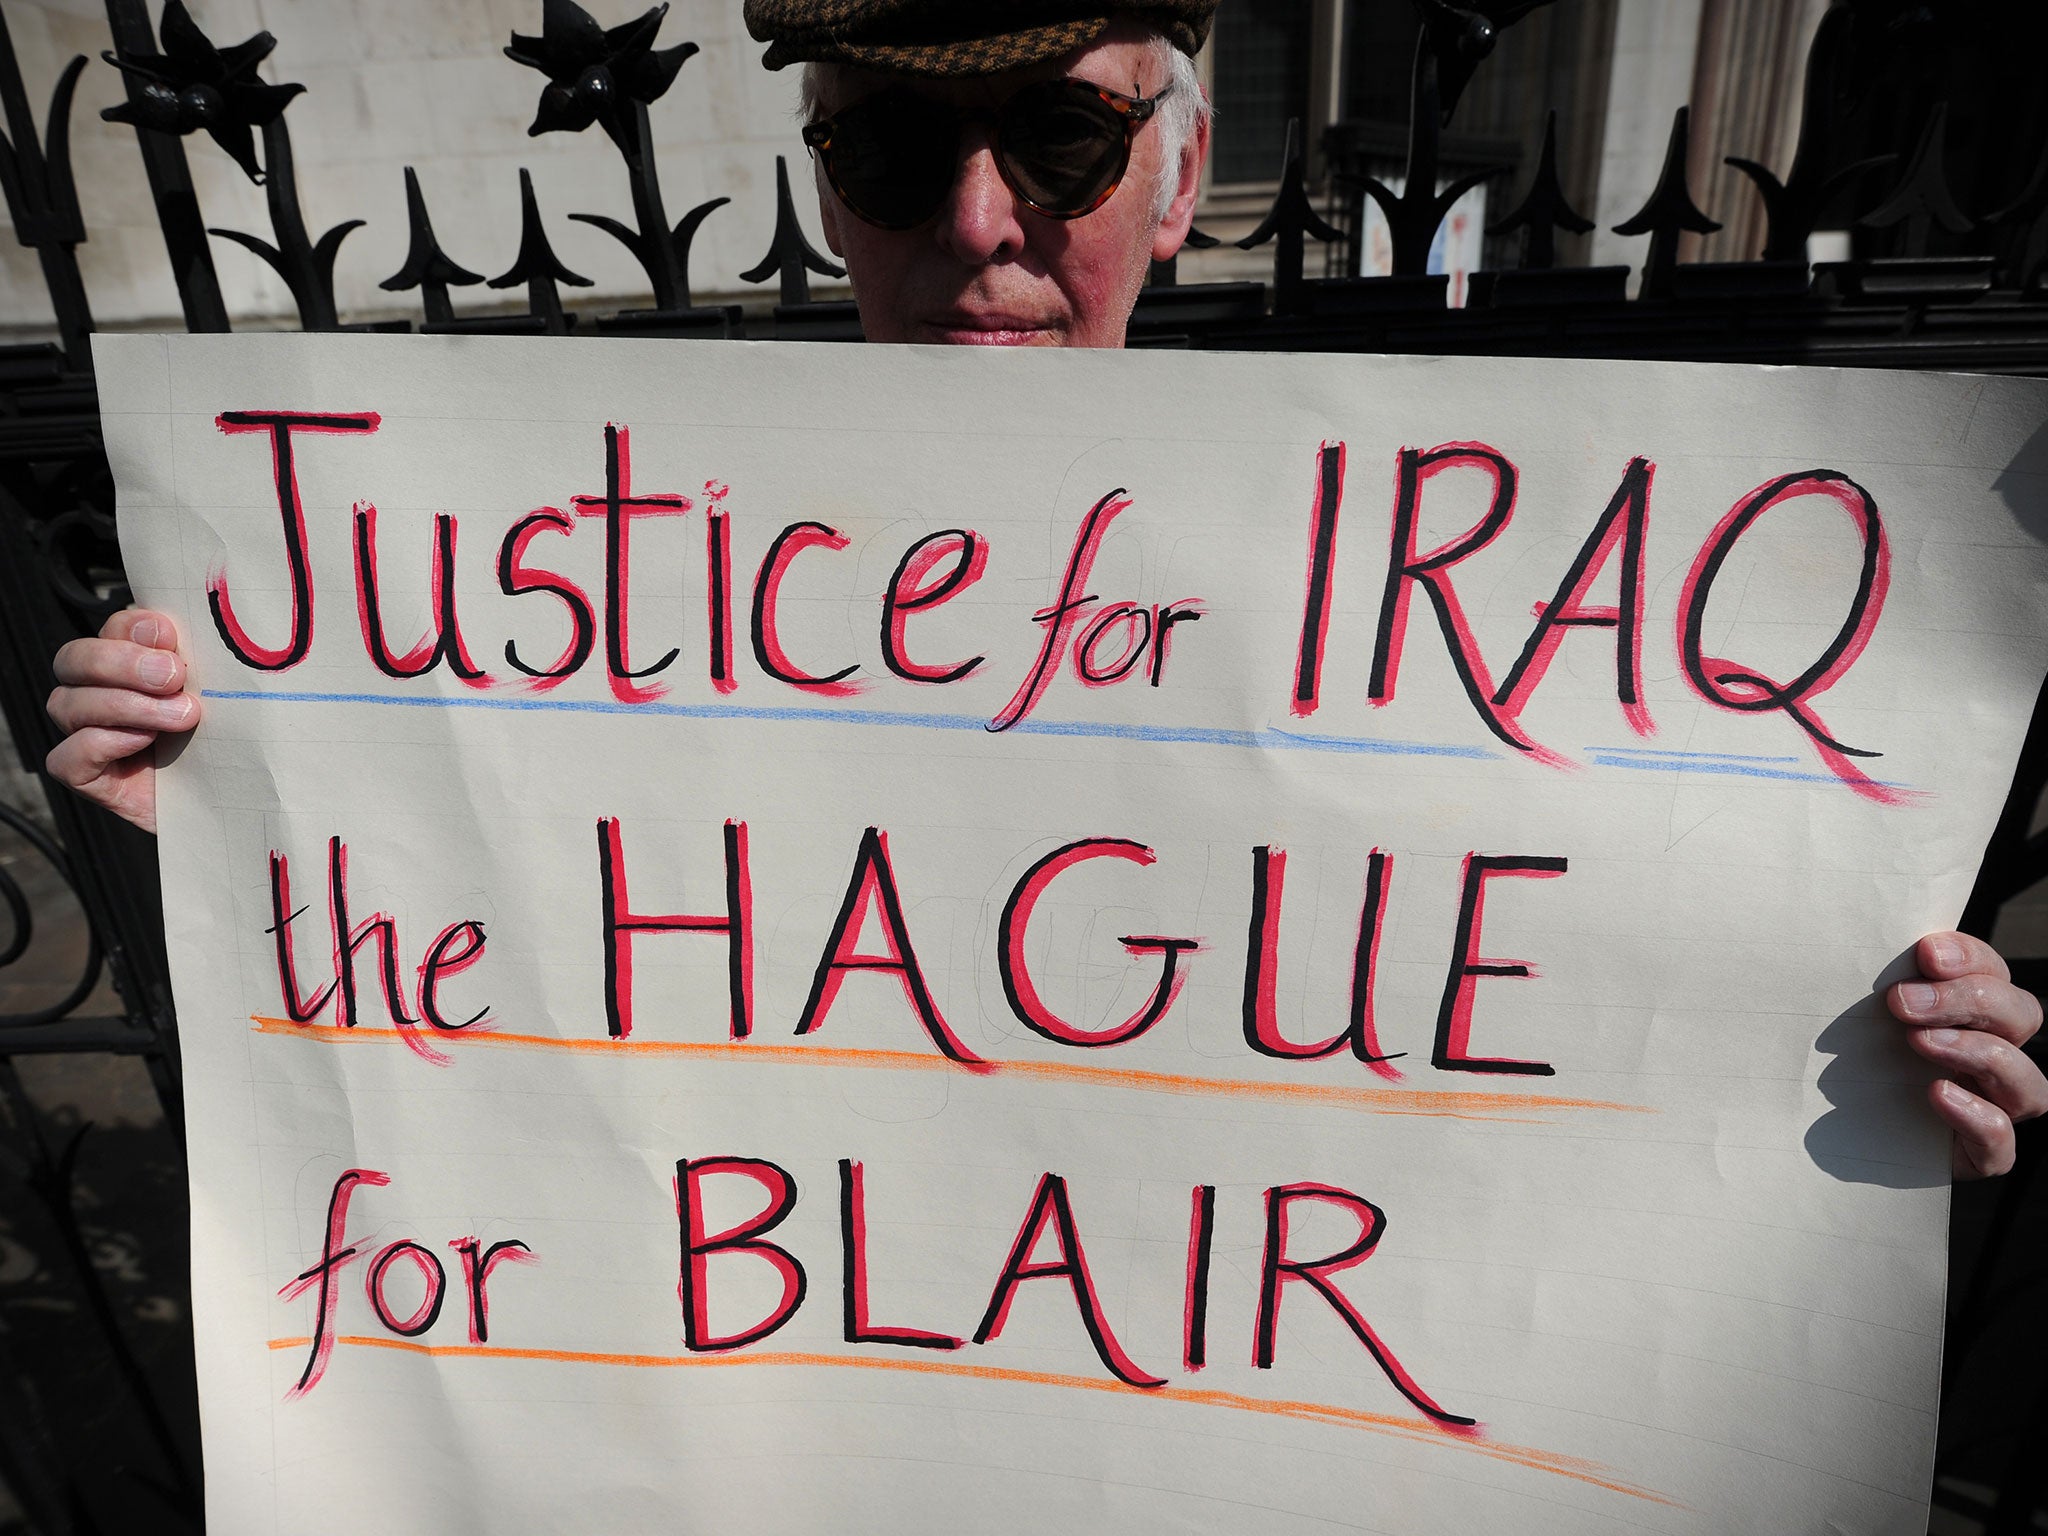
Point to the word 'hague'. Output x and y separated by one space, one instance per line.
873 894
1101 642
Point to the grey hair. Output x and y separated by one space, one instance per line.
1185 107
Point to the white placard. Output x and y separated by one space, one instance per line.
782 939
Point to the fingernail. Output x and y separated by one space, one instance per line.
1916 997
1947 953
148 632
177 710
1944 1039
156 668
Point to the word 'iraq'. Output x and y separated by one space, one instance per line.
1101 642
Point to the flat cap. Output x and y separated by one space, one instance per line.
957 37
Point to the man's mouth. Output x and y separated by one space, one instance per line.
958 329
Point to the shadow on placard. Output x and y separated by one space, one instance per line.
2023 485
1878 1119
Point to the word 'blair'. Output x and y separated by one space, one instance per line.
406 1284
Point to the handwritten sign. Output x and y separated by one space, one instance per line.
790 939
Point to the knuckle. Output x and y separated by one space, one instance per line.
75 709
63 765
1979 1053
69 659
2013 1086
1983 1002
90 662
2033 1094
1978 998
1986 1127
2007 1065
2002 1145
1997 1160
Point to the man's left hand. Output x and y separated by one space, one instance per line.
1969 1019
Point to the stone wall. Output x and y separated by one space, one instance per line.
425 83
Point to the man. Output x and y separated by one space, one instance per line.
1003 237
1000 172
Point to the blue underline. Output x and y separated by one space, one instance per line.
1746 770
1714 757
1266 738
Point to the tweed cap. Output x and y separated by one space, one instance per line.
956 37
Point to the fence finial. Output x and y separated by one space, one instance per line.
427 267
1922 198
790 252
1289 219
1669 213
537 265
1545 210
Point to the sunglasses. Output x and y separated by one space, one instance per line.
1062 146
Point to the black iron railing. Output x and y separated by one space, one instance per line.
1956 286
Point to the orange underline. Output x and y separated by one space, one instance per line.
1322 1413
1384 1101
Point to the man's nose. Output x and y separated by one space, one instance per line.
982 220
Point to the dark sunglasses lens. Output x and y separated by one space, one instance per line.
1065 147
892 158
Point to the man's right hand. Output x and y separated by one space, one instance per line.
115 695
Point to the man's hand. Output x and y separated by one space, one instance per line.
115 695
1971 1021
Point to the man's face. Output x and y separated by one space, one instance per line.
988 271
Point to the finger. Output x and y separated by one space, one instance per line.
1972 1002
1984 1139
143 626
1989 1067
119 664
1943 956
110 768
83 757
75 709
